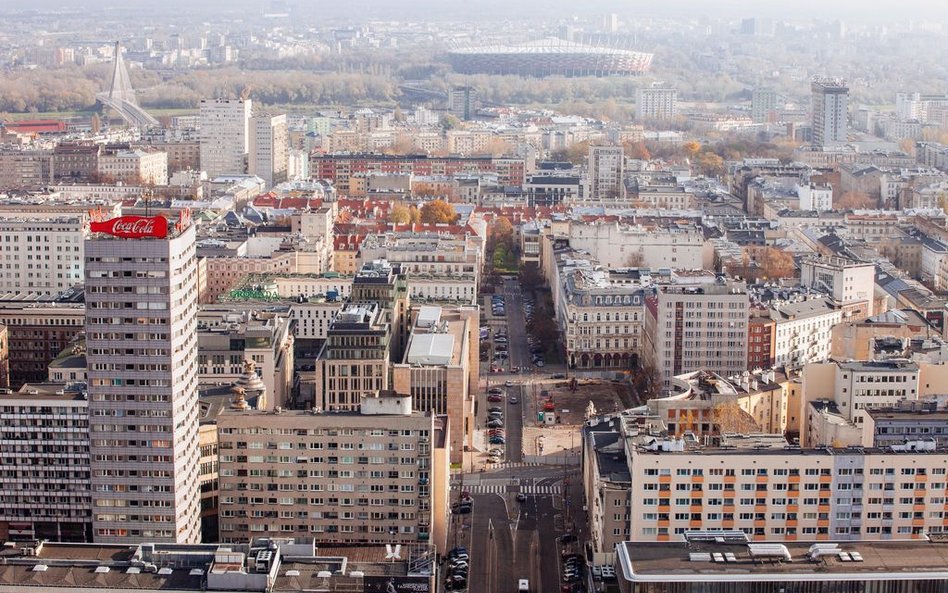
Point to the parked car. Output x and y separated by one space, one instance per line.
495 398
495 423
496 440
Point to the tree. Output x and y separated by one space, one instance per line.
759 263
646 381
729 417
772 262
710 164
449 122
575 153
636 150
502 232
530 277
854 200
438 211
691 149
399 214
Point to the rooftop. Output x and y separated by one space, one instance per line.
672 562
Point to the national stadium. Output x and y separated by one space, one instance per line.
549 57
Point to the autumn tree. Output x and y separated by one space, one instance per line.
438 211
854 200
399 214
710 164
575 153
729 417
765 263
502 232
691 149
636 150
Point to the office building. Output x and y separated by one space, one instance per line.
695 327
354 360
830 113
42 256
439 368
656 103
141 340
269 148
45 492
225 136
605 170
375 476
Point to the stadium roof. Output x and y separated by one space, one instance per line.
548 45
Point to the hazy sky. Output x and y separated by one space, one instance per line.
850 10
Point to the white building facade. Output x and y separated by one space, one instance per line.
141 339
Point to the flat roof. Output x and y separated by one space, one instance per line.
430 349
670 562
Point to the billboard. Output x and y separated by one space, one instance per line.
132 227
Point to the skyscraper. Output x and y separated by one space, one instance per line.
830 112
225 136
141 339
269 148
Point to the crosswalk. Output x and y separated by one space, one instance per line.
510 464
507 489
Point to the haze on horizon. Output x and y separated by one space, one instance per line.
848 10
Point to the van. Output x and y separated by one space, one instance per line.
523 585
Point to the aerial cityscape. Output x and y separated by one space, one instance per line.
489 297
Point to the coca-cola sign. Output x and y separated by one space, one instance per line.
133 227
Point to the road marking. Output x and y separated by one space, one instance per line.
503 489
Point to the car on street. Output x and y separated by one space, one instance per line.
508 383
495 423
567 538
514 400
496 441
495 391
521 497
495 398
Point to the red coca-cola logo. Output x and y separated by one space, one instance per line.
133 227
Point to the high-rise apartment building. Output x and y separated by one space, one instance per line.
606 164
141 340
269 148
462 102
763 105
656 103
225 136
830 112
695 327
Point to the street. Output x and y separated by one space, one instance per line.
509 540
